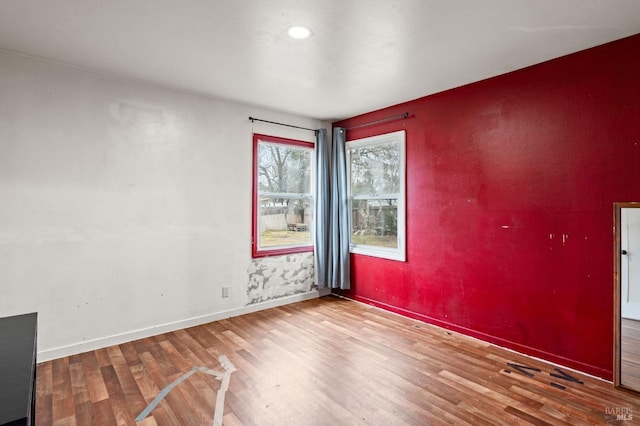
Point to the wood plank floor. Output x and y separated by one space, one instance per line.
327 361
630 353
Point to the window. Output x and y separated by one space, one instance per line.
376 185
283 171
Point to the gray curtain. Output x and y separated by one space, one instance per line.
322 213
332 212
341 269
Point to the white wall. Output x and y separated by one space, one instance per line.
125 207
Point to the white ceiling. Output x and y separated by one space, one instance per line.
365 54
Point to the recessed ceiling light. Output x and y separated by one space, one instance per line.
299 32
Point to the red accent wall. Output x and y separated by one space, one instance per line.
510 186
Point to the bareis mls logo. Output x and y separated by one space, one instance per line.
619 413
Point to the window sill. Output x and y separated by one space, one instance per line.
280 251
391 254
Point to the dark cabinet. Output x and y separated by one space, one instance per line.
18 337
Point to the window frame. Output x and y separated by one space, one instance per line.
256 250
398 253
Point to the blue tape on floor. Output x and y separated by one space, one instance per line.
223 377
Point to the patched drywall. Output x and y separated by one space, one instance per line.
279 276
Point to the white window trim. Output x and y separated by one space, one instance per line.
399 253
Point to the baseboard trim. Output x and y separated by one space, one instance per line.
117 339
560 361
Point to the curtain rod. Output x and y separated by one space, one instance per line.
282 124
394 117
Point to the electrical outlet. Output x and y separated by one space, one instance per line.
225 292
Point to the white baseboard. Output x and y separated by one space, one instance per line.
117 339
